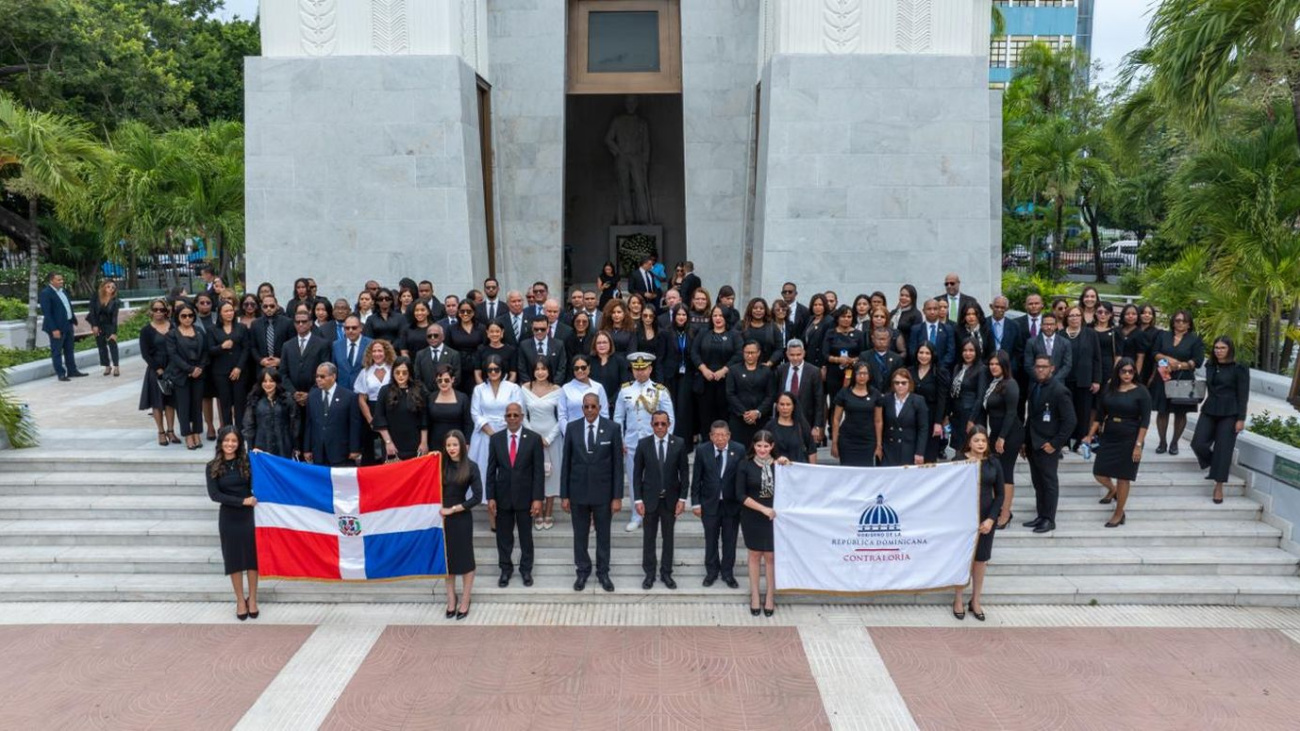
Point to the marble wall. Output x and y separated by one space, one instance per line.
875 171
720 41
363 168
527 67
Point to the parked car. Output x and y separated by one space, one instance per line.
1124 253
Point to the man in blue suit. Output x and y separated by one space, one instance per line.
59 324
332 435
1004 333
938 334
350 350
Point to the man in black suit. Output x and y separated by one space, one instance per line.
333 424
558 330
513 320
804 380
938 333
1050 422
660 483
575 306
1053 345
491 307
300 358
799 315
642 282
713 500
515 486
672 298
541 291
437 354
690 282
882 360
269 333
957 300
541 347
591 486
590 302
1004 333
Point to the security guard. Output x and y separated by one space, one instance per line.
636 403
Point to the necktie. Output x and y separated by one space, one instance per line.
933 333
437 354
492 310
794 380
722 464
662 457
997 332
270 338
302 345
515 320
649 287
1048 342
325 403
352 353
952 309
1033 327
541 348
591 438
514 448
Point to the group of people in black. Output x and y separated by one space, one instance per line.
396 373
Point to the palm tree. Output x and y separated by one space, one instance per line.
1200 49
52 154
207 184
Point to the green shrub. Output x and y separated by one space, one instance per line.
1016 287
1276 428
18 275
17 356
1131 282
12 308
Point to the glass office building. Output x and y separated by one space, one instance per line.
1058 23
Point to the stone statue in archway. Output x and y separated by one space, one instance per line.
628 141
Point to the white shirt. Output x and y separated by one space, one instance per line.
789 376
898 404
368 383
329 393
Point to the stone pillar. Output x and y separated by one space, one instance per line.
876 149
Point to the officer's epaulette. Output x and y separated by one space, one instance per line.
661 387
625 385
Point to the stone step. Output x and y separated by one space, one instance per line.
1141 530
1278 591
199 507
625 561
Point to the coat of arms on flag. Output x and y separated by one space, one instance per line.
349 523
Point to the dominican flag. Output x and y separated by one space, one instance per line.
348 523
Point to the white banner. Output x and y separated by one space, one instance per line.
863 530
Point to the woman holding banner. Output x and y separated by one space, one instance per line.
230 483
991 495
461 491
755 483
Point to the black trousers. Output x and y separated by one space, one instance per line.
1083 398
1213 441
63 354
107 350
711 406
231 398
1047 486
188 396
663 514
722 525
509 520
370 442
582 518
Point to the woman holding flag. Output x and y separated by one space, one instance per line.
461 491
991 495
230 483
755 485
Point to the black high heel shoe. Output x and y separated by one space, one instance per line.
959 615
978 615
1110 498
243 616
1161 449
753 610
1010 517
452 612
1173 448
769 612
462 615
1113 524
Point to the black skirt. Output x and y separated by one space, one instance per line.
757 527
238 539
1114 454
151 395
984 546
458 529
1010 450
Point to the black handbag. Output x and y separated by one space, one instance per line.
165 385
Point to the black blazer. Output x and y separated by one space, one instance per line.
708 487
298 371
280 325
1053 396
1085 352
516 487
592 478
906 432
812 392
1227 390
426 370
1012 342
882 367
1062 356
690 283
556 357
226 360
330 439
906 321
648 479
103 316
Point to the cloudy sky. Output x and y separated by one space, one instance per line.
1119 26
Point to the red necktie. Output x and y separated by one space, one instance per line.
794 380
514 449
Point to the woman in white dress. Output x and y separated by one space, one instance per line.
581 385
487 407
376 372
543 409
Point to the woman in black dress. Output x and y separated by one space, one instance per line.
270 417
322 322
906 314
618 324
1130 342
700 312
1223 415
1089 301
608 368
782 329
448 408
465 337
187 361
1107 340
991 500
418 323
1122 418
713 353
607 283
388 322
648 339
930 382
751 388
153 349
1084 379
970 329
496 345
677 372
103 323
755 486
230 483
790 430
756 326
905 422
579 340
1178 352
1149 332
840 350
228 348
969 381
999 413
462 489
814 332
400 416
857 429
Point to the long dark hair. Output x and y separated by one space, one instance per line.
256 391
413 394
1004 362
460 474
988 441
796 415
218 466
1121 364
762 435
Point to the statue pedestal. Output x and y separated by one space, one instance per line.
629 245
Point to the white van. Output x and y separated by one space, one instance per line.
1123 253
